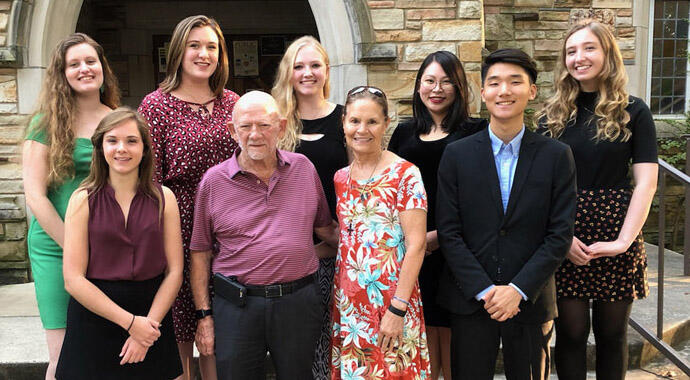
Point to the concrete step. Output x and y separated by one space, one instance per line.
23 352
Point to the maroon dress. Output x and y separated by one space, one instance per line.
186 143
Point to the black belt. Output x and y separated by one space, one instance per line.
279 290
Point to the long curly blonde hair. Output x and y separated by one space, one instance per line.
610 114
284 94
57 107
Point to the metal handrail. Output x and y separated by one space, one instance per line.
657 341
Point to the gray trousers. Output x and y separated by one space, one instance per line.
287 327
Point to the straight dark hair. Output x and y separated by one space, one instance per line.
459 110
512 56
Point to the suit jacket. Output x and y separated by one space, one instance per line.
484 246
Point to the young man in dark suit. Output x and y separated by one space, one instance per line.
506 210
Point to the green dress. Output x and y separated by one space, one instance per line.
46 255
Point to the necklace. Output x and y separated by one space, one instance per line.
364 193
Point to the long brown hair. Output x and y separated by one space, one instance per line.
284 94
57 107
611 116
98 176
178 45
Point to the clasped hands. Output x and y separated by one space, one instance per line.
142 334
502 302
581 254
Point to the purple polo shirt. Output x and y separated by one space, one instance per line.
264 232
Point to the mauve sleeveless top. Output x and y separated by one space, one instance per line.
134 253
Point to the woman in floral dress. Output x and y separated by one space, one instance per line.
378 325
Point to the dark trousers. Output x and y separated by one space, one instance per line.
475 342
286 326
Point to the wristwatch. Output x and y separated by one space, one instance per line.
203 313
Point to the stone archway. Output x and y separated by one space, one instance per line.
344 38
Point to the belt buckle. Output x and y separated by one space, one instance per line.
273 291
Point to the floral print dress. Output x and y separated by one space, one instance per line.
370 255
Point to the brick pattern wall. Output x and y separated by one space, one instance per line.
13 256
420 27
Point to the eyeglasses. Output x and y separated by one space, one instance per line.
371 89
431 84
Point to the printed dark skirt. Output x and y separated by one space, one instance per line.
600 216
92 344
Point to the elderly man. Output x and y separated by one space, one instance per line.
253 223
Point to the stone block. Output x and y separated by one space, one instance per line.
425 3
530 34
381 4
612 4
531 16
5 5
472 66
4 17
470 51
624 12
419 51
469 9
14 120
12 251
554 16
555 34
554 45
533 3
545 78
453 30
14 231
572 3
3 39
625 32
546 65
499 3
397 85
492 10
8 108
404 35
541 25
526 46
430 14
546 54
11 186
415 25
10 171
499 27
13 150
381 66
8 89
404 109
11 135
628 54
409 66
624 21
604 16
383 19
626 43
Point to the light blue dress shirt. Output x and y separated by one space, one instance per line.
506 158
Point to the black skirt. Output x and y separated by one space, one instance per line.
600 216
92 344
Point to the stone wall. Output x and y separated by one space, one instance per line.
13 257
420 27
538 28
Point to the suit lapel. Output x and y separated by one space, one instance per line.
488 169
525 159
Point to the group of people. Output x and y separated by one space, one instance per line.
280 223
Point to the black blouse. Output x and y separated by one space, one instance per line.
426 155
604 164
328 154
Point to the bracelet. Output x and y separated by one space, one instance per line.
131 323
396 311
401 300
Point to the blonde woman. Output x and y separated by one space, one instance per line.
608 131
188 116
123 262
79 89
315 130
